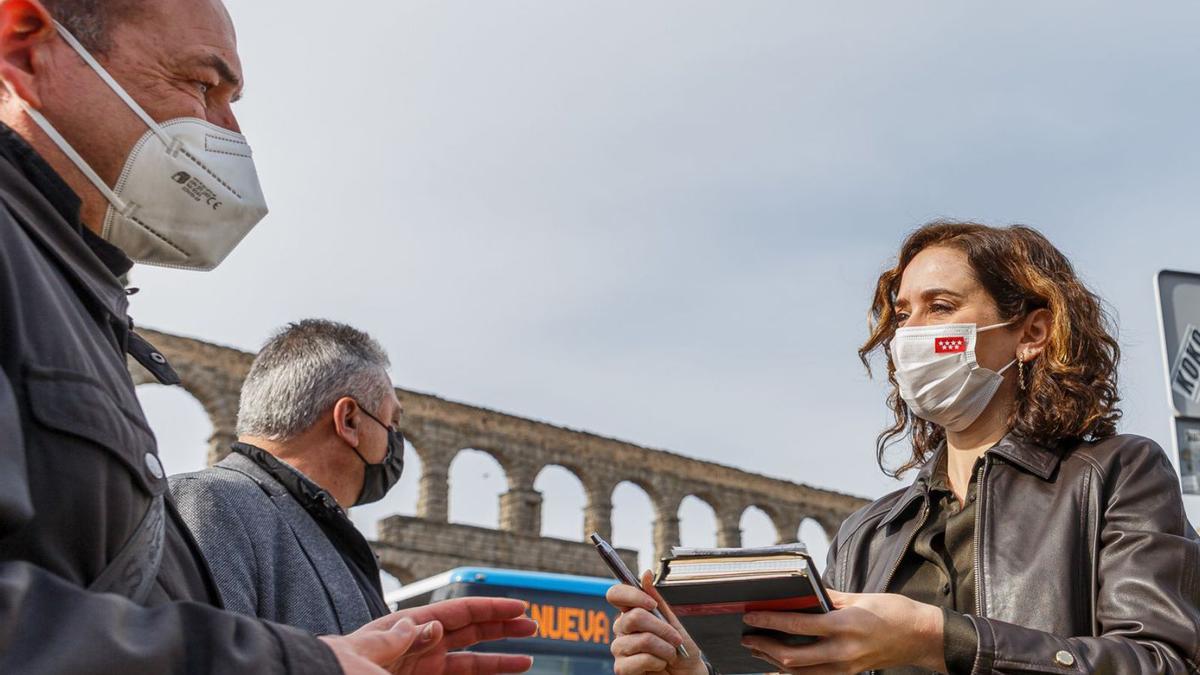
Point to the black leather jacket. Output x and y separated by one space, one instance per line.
1085 561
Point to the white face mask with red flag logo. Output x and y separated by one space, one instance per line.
938 376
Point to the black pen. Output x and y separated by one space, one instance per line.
625 576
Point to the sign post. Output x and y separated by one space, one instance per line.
1179 323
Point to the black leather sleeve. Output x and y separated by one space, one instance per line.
1148 591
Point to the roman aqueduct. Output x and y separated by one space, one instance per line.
415 547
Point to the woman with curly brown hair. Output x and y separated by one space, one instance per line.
1035 539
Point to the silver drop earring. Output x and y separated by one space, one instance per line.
1020 373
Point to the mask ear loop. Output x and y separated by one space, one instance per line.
1016 359
995 325
80 163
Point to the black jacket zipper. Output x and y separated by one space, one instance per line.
980 492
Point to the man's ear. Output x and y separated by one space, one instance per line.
346 420
1036 334
26 28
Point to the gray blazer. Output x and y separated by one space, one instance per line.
269 557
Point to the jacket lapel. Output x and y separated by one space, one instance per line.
344 594
917 491
896 539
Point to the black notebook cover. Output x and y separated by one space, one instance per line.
712 614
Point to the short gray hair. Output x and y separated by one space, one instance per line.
303 370
92 21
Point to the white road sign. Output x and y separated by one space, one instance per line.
1179 321
1185 373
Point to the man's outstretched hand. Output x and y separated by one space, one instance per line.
420 640
465 622
370 649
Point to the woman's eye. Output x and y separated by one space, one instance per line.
940 308
901 317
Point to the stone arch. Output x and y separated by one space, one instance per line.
521 505
181 425
646 487
439 428
812 533
476 479
433 502
630 528
697 522
711 499
830 523
787 521
564 501
757 526
597 514
212 374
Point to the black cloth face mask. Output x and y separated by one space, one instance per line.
379 478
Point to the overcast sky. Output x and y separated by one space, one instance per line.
663 221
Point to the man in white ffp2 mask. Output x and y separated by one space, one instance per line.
118 141
187 193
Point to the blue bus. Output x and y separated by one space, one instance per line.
574 621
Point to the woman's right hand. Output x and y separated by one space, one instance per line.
645 643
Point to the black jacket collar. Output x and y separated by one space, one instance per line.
314 498
1038 460
61 197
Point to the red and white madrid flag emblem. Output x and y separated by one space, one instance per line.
949 345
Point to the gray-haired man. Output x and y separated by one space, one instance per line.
318 433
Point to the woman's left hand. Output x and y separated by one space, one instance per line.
864 632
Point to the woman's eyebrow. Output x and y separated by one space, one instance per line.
930 293
934 292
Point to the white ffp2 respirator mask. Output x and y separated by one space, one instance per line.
188 193
938 376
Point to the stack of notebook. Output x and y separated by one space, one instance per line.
711 589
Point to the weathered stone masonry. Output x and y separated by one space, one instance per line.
415 547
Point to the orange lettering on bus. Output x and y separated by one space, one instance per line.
555 631
572 624
587 626
568 618
544 615
600 627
